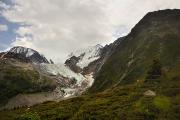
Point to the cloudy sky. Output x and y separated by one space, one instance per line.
58 27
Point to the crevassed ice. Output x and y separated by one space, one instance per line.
62 70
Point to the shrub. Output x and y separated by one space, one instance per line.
162 103
154 72
29 116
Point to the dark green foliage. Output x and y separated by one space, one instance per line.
162 103
29 116
155 70
154 73
120 103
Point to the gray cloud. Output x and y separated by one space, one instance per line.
60 26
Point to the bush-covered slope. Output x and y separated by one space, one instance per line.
17 77
128 102
156 36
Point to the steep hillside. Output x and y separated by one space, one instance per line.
17 78
18 75
155 37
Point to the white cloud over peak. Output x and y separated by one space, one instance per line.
57 27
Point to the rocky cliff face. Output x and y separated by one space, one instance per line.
71 63
80 59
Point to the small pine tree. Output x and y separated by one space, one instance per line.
154 72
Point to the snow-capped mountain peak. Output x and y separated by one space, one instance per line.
25 53
93 50
22 50
87 55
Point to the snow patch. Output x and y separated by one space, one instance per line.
90 79
69 92
22 50
87 55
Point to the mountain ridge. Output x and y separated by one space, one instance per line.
24 54
136 48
